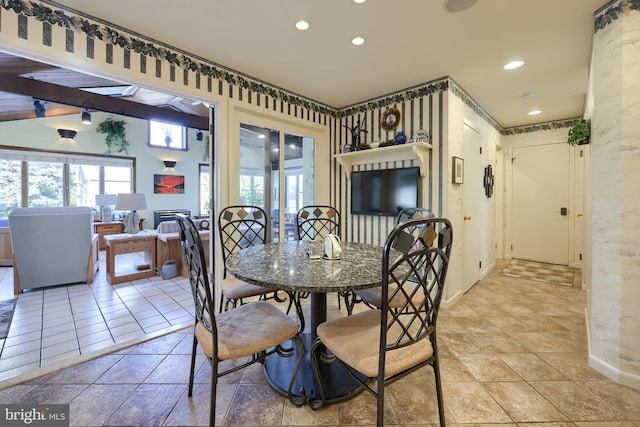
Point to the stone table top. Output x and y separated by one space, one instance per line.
287 266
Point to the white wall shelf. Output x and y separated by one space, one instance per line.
409 151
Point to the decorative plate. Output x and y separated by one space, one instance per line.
390 119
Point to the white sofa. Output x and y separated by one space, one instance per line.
168 243
52 246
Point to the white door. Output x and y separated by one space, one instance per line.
472 194
540 203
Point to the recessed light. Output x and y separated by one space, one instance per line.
513 65
302 25
359 1
357 41
534 112
455 6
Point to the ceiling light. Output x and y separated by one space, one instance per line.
534 112
513 65
67 133
359 1
302 25
357 41
455 6
85 117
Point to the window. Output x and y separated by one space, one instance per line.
167 135
205 200
59 179
10 177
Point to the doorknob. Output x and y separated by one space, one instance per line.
467 218
579 215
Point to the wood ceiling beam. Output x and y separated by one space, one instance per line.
83 99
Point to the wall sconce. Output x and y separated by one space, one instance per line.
169 163
67 133
85 117
199 136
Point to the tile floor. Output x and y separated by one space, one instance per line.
55 326
513 353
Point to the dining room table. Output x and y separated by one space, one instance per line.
287 266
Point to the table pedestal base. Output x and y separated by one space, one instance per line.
339 385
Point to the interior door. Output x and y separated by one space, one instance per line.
472 193
540 205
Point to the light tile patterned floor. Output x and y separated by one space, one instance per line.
540 272
513 351
57 325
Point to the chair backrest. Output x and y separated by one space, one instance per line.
196 266
413 213
240 227
316 221
415 260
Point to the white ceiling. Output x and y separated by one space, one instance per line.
408 42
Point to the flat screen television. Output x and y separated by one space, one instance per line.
384 191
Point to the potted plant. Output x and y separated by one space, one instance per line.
116 138
580 132
356 131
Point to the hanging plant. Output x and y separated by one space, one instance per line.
116 138
579 133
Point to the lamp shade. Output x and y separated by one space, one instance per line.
106 199
131 202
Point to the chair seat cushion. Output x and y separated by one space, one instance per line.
247 330
356 339
373 296
234 289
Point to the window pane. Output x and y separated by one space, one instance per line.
117 180
45 184
84 184
10 185
166 135
205 201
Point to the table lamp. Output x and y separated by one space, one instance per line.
105 201
131 202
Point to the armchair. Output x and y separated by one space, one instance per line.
52 246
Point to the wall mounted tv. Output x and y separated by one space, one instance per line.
384 191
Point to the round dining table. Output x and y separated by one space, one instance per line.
287 266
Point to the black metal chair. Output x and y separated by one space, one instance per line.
253 331
371 297
313 222
413 213
239 227
388 343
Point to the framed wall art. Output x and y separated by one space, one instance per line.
168 184
458 170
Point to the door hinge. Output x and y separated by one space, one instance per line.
580 257
513 159
480 264
512 247
480 150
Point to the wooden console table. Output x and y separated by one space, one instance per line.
118 244
107 228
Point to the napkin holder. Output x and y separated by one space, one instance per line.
332 249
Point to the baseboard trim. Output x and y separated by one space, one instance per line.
447 303
609 371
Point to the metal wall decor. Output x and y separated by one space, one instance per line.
488 181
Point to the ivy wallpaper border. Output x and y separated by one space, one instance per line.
113 35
